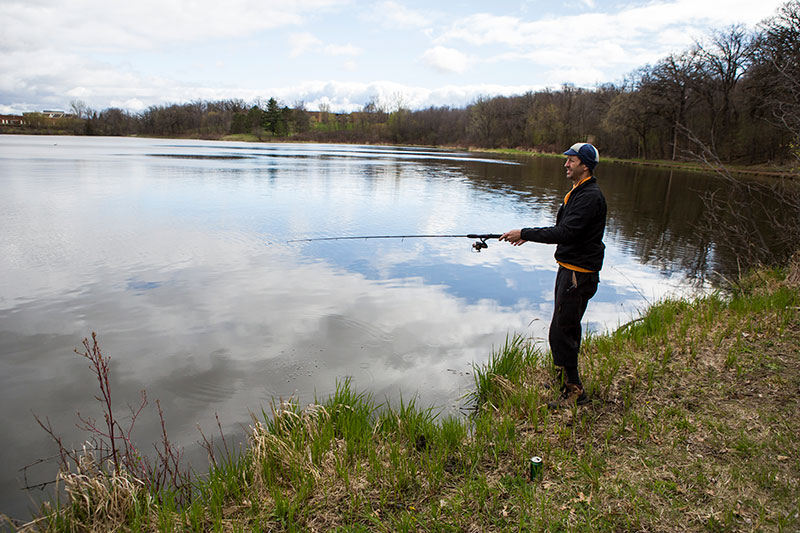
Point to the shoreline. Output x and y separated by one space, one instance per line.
757 170
693 425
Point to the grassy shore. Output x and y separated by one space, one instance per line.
693 426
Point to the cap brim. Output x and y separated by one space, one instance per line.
571 152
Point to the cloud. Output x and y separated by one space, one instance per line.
351 96
132 104
484 28
145 24
581 76
641 32
46 78
301 43
51 52
306 42
342 50
395 15
102 86
446 59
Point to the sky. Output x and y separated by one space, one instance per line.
340 53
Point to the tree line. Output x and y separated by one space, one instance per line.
736 92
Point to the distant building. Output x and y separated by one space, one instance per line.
54 114
11 120
47 114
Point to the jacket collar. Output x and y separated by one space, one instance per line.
585 180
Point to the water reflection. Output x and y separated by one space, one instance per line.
180 263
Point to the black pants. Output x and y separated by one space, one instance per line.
573 292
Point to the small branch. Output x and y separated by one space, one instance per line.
112 443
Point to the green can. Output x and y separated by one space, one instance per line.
536 468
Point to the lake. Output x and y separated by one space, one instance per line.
176 253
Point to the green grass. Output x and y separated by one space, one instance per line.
241 137
499 380
693 427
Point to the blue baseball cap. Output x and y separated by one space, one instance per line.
587 153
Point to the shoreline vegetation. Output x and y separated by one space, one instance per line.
693 426
788 171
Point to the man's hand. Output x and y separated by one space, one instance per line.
514 237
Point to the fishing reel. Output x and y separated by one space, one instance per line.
479 245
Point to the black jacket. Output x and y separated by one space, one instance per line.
579 228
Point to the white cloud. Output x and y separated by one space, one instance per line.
39 78
446 59
342 50
484 28
306 42
351 96
632 36
132 104
49 52
395 15
145 24
584 77
141 53
302 43
78 92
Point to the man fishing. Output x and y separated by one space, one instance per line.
578 234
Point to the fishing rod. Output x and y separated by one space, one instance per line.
478 245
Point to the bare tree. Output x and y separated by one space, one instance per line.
778 69
79 108
722 61
631 111
324 112
672 83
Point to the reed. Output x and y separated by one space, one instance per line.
500 377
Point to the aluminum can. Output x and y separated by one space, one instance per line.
536 468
